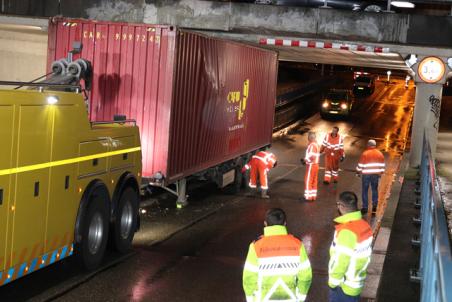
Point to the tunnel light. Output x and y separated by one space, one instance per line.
344 106
402 4
325 105
51 100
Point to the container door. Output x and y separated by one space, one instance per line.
6 139
34 145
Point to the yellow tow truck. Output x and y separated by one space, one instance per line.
67 185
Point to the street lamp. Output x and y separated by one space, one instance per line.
389 74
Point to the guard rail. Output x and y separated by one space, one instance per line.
435 267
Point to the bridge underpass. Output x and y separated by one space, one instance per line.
374 40
394 59
364 54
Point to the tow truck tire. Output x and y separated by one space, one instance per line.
94 232
126 219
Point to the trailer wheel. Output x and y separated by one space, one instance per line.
94 232
126 219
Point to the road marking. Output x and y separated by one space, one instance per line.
284 175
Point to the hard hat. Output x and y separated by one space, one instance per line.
371 143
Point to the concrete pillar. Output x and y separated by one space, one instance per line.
426 119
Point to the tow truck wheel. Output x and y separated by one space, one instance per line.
126 220
94 233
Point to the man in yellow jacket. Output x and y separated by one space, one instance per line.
277 266
350 251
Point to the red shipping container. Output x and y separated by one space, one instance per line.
198 101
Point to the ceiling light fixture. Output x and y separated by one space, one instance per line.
402 4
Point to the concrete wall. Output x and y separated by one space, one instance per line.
432 30
23 53
264 19
251 18
330 24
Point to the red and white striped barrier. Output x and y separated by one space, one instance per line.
323 45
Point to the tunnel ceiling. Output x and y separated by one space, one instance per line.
385 60
391 61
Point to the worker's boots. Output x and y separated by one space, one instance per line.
264 194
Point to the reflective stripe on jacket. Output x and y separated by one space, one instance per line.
312 154
276 268
267 158
333 145
350 253
372 161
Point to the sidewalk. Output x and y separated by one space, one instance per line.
401 256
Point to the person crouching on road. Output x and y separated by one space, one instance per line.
371 165
260 164
350 251
311 160
277 266
333 147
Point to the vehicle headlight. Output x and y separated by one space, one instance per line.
344 106
325 104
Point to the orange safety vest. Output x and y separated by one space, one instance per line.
267 158
372 161
312 154
333 146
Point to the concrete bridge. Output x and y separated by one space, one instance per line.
326 36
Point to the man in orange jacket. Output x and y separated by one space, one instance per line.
371 166
311 160
333 147
260 164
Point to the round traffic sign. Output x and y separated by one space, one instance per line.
431 69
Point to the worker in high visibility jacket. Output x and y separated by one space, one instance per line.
371 166
350 251
311 160
259 165
333 148
277 266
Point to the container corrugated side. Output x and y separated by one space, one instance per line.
224 100
132 75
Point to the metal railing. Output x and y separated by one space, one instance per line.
435 268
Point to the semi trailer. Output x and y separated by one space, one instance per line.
204 105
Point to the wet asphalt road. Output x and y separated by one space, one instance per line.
197 253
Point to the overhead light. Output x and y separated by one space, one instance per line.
403 4
51 100
410 60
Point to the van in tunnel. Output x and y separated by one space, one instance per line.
204 106
364 85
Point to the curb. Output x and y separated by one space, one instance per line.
374 271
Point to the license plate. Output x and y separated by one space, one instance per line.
334 112
360 88
228 178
